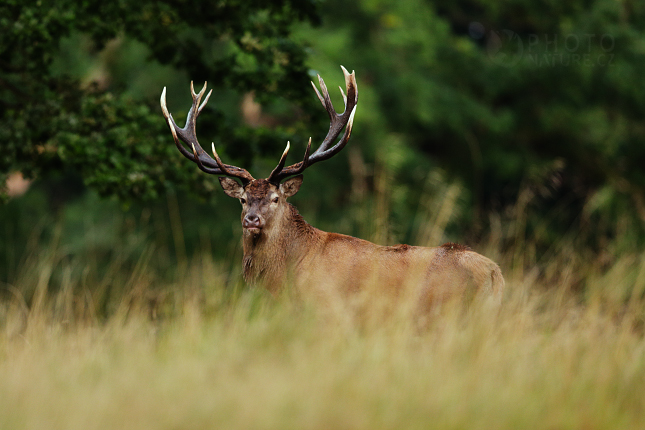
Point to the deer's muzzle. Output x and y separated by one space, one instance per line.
252 222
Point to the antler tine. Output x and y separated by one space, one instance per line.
327 101
318 92
198 97
305 160
192 91
229 170
188 136
199 162
208 96
195 109
350 83
279 173
280 165
337 123
304 163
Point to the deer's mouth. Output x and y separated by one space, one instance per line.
254 230
253 226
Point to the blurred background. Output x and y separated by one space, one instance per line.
513 126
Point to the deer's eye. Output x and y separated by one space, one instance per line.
275 200
243 201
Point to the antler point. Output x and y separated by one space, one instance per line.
162 101
351 115
286 151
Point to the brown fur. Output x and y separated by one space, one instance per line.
289 250
258 189
455 247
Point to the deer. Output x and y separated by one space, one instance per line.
281 248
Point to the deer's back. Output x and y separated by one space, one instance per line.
347 264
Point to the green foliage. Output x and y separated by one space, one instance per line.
55 122
506 96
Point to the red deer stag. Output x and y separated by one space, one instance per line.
281 247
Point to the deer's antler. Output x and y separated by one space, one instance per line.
187 135
337 123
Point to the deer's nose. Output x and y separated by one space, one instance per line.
251 221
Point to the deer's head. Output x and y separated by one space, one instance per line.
264 200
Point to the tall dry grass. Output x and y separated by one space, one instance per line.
193 354
122 348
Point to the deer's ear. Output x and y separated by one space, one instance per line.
291 186
231 187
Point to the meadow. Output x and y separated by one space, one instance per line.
128 311
89 347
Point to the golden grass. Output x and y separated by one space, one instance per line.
196 355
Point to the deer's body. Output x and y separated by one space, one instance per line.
291 251
280 248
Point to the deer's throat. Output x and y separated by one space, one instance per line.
268 255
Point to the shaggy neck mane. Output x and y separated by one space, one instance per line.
268 256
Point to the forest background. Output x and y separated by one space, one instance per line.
519 120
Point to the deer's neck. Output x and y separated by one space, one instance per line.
269 256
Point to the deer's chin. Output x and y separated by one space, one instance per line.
255 231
